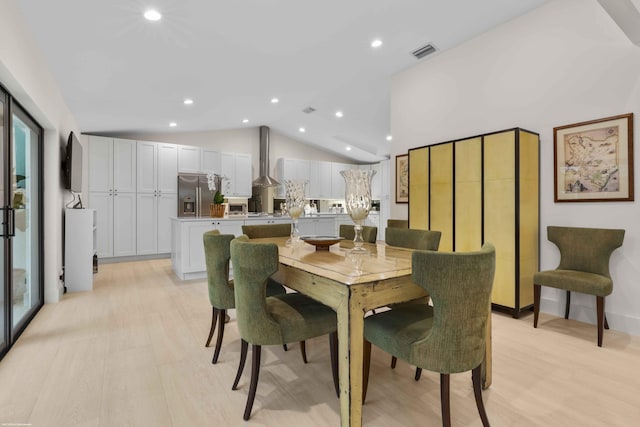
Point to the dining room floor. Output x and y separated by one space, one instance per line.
131 352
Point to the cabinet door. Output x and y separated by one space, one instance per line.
376 182
188 159
230 227
146 160
194 253
166 209
124 224
167 168
227 168
242 175
319 179
124 165
337 181
325 226
210 161
307 226
146 226
103 204
100 163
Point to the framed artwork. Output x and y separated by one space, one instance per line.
402 178
593 161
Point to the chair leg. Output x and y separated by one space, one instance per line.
476 375
444 400
216 352
244 346
333 348
366 365
303 351
606 324
418 374
214 317
255 372
536 304
566 309
600 314
394 360
284 346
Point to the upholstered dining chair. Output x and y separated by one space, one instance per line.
397 223
221 289
450 336
584 268
273 320
369 233
424 240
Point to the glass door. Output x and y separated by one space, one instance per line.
4 290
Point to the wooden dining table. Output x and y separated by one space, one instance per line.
353 283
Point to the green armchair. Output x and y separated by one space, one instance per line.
369 233
584 268
398 223
449 337
273 320
267 230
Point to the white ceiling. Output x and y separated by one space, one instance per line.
121 73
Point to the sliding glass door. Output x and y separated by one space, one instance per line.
21 212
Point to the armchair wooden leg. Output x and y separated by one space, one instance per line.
333 348
394 360
216 352
303 351
600 315
566 309
418 374
476 375
284 346
244 346
606 324
536 304
214 317
444 400
255 373
366 365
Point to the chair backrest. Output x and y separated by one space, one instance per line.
267 230
585 249
424 240
397 223
459 283
253 263
217 255
369 233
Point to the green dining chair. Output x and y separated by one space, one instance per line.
584 268
369 233
273 320
449 337
424 240
398 223
221 289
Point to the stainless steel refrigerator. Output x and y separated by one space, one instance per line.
194 196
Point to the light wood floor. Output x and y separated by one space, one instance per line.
132 353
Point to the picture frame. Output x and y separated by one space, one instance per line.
593 161
402 178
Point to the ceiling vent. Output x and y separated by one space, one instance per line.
424 51
309 110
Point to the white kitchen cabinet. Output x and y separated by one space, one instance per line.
337 181
376 182
188 159
79 248
317 226
237 168
154 211
385 198
112 164
210 161
319 180
291 169
260 221
115 222
157 169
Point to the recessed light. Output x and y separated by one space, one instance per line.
339 114
173 124
376 43
348 148
303 130
188 101
245 120
152 15
274 100
389 137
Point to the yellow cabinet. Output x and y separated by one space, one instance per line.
483 189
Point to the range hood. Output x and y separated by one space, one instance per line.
264 180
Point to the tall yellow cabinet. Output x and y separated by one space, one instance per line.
483 189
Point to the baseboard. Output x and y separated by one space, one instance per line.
112 260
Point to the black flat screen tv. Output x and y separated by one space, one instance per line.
73 165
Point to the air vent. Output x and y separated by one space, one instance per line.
309 110
424 51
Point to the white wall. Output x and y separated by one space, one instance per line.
25 75
565 62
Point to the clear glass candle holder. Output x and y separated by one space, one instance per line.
295 201
358 200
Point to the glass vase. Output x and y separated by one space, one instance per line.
357 195
295 201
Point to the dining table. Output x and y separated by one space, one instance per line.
352 283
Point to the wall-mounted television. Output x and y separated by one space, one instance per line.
73 165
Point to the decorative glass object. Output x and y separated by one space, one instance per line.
357 195
295 202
